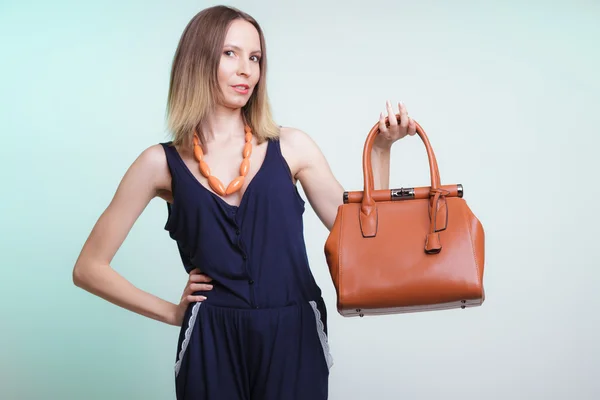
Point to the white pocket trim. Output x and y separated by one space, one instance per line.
322 335
188 333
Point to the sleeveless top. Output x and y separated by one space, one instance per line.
255 252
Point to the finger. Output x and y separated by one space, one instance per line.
412 127
195 287
195 271
200 278
186 291
382 127
193 299
197 278
391 114
403 115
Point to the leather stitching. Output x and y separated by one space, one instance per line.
340 263
472 245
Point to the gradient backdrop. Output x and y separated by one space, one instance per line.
507 92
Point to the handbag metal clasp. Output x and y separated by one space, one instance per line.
402 193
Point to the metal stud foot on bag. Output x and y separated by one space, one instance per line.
463 306
360 314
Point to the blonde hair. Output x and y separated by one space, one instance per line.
194 89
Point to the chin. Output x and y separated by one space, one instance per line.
236 102
235 105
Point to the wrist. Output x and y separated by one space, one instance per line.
170 314
381 148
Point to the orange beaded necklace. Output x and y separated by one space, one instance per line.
214 182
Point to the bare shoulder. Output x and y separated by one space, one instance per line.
311 169
151 166
298 148
154 158
154 161
295 138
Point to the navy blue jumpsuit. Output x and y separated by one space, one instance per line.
262 332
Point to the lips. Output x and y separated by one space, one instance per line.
241 89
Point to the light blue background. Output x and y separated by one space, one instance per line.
507 92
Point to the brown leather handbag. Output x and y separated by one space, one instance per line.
405 250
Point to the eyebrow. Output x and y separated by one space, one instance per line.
239 49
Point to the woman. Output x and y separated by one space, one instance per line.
253 324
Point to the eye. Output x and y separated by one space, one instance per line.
228 52
255 58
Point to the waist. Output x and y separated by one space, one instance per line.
245 297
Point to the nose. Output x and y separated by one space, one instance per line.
244 67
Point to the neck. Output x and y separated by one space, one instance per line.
223 124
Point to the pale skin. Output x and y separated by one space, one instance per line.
148 177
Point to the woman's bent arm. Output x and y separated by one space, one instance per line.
145 179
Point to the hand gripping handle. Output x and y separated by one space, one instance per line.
368 210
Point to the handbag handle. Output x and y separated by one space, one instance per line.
368 209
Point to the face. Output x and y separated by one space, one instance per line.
239 68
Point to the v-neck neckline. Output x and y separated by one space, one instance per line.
216 196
